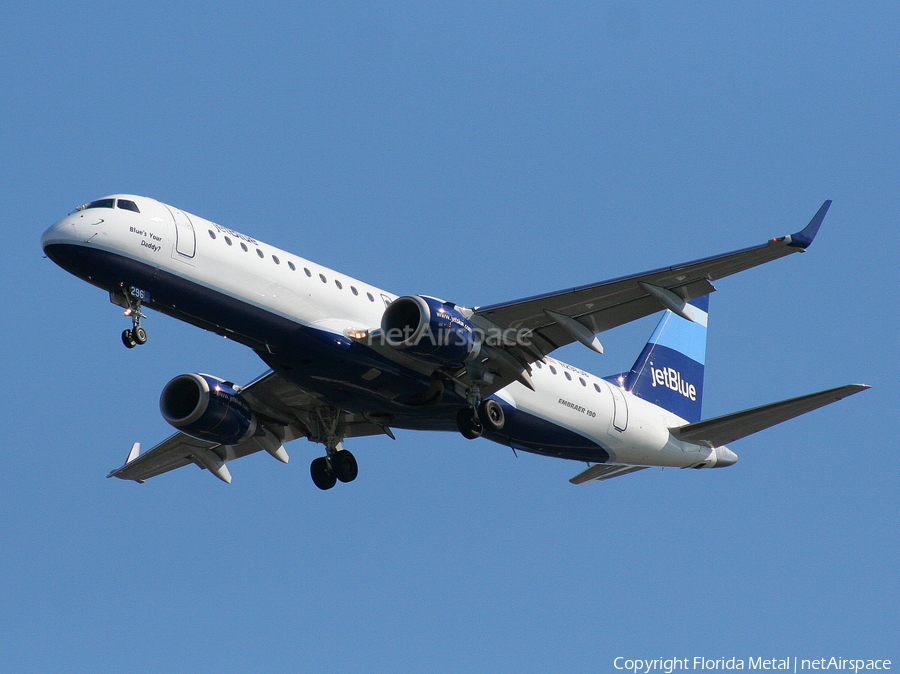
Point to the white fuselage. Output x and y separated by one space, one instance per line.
172 248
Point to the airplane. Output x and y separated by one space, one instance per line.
347 359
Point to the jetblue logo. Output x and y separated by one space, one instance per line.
671 378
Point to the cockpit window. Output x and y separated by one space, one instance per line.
100 203
128 205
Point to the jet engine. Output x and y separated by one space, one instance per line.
207 408
431 330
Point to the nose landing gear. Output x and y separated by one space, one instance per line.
131 299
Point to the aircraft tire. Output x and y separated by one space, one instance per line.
139 334
128 339
491 414
321 473
469 424
344 466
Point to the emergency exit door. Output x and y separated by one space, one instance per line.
185 238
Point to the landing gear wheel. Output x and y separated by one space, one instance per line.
469 424
322 475
344 466
139 334
491 414
128 339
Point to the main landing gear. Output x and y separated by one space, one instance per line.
338 463
473 421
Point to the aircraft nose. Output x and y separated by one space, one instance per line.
63 231
63 242
725 457
68 230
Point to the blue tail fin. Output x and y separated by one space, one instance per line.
669 371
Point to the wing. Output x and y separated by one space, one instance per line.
722 430
285 412
544 323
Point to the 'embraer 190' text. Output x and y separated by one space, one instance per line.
671 378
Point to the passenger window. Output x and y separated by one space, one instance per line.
308 272
291 265
597 388
276 260
538 363
259 252
244 247
212 234
227 240
552 369
568 376
369 295
354 290
338 284
322 276
583 382
128 205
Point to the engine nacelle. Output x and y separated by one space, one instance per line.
431 330
207 408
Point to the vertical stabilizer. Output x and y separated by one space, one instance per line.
669 371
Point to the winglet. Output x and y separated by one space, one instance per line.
803 238
134 453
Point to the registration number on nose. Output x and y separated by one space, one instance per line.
139 294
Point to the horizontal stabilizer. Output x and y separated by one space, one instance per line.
722 430
603 471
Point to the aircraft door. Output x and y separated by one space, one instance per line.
185 238
620 408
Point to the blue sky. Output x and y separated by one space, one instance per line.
478 152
